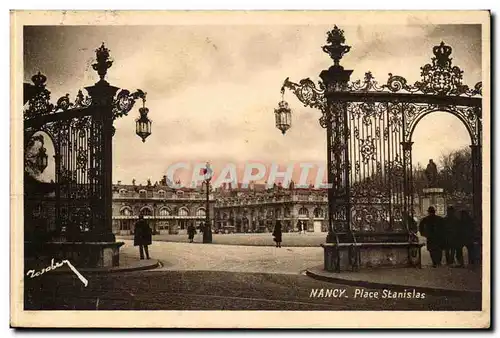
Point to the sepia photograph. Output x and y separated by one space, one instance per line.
262 169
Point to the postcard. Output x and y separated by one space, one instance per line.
250 169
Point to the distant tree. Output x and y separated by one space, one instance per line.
454 173
30 153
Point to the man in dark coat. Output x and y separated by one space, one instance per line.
142 236
432 228
450 235
277 234
299 226
191 230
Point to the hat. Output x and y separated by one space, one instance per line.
431 210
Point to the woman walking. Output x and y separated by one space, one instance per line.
277 234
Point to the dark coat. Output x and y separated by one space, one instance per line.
277 233
465 230
191 230
432 227
142 233
451 231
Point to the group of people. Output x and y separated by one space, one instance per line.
449 234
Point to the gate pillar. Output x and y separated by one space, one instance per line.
477 191
102 94
334 119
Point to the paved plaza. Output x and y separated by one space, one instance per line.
221 277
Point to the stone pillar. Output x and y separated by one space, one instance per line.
102 94
477 195
434 197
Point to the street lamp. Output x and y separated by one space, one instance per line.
42 159
207 232
143 123
283 114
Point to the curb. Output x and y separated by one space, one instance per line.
399 287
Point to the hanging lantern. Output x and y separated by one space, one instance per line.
42 160
143 123
283 115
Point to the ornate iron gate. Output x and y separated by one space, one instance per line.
369 140
81 133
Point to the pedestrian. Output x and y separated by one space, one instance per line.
299 226
431 227
304 226
466 235
142 236
277 234
451 236
191 230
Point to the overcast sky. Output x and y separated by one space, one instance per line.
212 90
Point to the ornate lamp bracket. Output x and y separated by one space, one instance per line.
307 92
124 102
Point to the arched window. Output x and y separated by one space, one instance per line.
318 212
142 193
161 193
165 211
303 212
201 212
146 211
183 211
125 211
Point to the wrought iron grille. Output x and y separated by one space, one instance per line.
369 131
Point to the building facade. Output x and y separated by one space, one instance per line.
168 211
257 209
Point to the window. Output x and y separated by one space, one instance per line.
183 211
142 193
201 212
161 194
303 212
318 212
287 212
146 211
123 192
125 211
165 212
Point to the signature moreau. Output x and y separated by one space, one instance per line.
54 265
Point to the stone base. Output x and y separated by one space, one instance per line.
353 256
80 254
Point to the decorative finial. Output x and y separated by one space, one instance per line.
39 79
103 61
442 55
336 47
